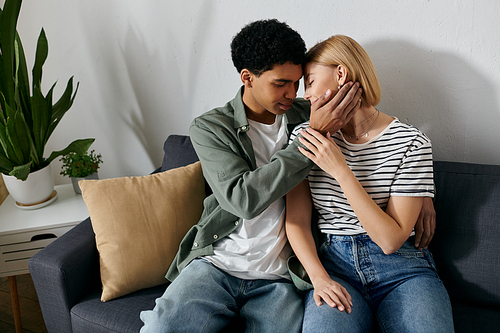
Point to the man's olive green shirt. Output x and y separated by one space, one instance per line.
240 189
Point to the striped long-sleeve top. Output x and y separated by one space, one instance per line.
397 162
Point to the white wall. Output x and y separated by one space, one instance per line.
147 68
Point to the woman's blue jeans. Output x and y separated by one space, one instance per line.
204 298
400 292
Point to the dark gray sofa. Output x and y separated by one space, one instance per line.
66 273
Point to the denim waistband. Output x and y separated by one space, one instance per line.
329 238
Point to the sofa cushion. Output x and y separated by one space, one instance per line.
465 245
178 152
123 313
139 223
118 315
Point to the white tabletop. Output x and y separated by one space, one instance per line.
67 209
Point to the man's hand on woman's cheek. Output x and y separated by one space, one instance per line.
330 113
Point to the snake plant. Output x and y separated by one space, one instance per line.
27 117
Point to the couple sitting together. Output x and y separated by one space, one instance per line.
272 160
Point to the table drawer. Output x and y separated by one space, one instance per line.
14 256
30 236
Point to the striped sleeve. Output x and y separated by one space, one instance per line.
414 176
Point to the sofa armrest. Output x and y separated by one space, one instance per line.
63 272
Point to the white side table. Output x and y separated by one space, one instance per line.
25 232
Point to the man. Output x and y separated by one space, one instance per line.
232 264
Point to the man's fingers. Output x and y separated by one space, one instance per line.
418 231
428 233
322 100
347 98
356 106
341 100
345 90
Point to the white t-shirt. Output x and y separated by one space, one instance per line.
258 248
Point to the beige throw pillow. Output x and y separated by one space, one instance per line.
139 223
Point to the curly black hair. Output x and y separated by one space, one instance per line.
262 44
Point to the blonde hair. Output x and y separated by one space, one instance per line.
343 50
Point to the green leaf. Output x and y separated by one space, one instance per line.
41 119
22 82
62 105
4 141
7 35
3 78
18 136
3 107
21 172
42 51
6 165
80 146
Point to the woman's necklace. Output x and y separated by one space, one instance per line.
364 121
368 130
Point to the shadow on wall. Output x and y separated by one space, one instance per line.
443 95
146 76
157 78
147 87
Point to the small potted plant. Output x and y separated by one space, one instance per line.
80 166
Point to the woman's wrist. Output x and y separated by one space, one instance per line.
341 173
318 276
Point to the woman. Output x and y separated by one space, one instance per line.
368 188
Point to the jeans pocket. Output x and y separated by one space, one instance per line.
414 258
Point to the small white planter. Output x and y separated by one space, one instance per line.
35 190
75 180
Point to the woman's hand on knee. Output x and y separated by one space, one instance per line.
332 293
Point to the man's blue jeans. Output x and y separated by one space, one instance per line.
204 298
400 292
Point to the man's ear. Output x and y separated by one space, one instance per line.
246 78
341 75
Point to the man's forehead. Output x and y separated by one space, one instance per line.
286 72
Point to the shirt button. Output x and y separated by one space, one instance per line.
215 236
195 244
236 223
243 128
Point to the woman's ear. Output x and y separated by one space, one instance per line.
246 78
341 74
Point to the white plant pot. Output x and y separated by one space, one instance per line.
35 190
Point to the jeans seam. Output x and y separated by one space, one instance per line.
356 262
432 264
248 321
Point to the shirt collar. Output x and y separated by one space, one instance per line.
240 116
